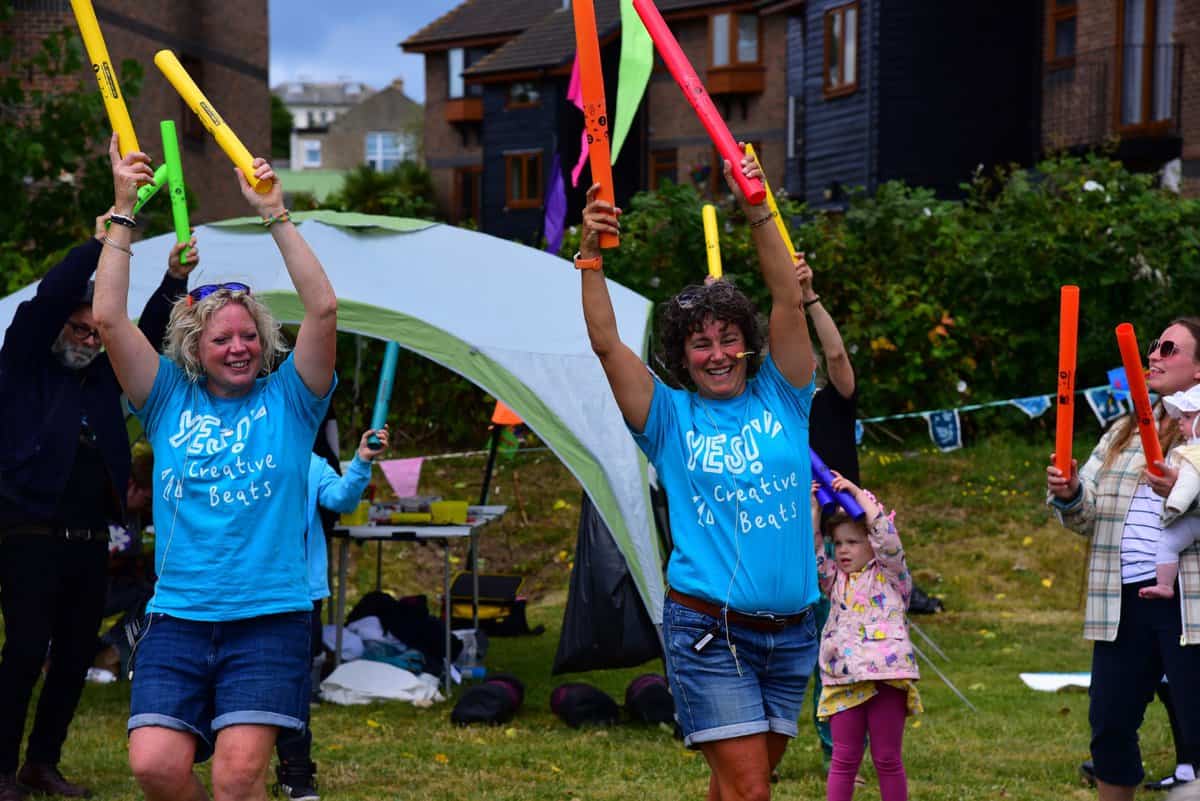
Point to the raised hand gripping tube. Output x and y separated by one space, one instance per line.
1068 334
1142 412
712 239
774 207
595 114
147 191
824 476
228 141
693 89
106 76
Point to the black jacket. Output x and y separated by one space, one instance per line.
42 401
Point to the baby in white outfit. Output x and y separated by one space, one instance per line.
1177 534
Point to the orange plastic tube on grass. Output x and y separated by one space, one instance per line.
693 89
1068 336
228 141
106 76
1142 413
595 114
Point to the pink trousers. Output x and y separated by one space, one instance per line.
881 717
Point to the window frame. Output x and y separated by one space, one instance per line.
456 210
732 61
1153 39
664 165
509 103
305 145
367 150
527 200
844 88
1058 16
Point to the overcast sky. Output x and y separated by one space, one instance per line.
355 39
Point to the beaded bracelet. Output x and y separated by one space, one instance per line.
763 220
286 216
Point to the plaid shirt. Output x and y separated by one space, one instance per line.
1099 510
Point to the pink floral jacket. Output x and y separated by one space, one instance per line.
866 635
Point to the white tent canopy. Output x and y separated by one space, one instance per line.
505 316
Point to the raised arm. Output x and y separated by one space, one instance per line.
316 343
837 361
791 348
631 383
1073 497
133 358
826 567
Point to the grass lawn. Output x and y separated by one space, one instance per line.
977 535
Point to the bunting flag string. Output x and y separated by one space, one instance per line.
1108 402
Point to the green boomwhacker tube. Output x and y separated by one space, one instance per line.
175 187
150 190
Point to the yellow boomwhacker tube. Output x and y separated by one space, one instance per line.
228 141
774 207
712 239
106 76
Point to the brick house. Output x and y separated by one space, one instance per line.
223 45
314 108
494 145
1124 72
383 130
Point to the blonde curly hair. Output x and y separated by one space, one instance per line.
188 322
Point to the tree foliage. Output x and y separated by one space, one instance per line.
281 129
944 303
405 191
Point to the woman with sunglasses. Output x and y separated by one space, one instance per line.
1116 502
732 454
223 659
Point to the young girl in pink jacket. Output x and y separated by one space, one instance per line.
868 670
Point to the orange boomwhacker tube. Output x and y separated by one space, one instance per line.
1142 413
595 115
1068 337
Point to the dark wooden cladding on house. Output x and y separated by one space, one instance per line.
943 87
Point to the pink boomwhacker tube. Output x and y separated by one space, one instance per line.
697 95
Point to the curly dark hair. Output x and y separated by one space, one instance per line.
686 313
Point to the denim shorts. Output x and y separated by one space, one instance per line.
200 677
713 701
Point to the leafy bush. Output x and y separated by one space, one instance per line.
943 303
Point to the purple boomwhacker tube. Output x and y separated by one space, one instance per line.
824 476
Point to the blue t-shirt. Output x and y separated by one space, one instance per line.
230 488
737 476
337 494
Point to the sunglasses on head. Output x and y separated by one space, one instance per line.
201 292
1165 348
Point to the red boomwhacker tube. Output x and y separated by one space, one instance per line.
595 116
1068 336
1142 413
693 89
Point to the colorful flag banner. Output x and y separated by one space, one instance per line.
402 475
633 73
1034 406
945 429
1105 404
575 95
554 223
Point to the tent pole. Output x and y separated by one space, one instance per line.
493 446
944 678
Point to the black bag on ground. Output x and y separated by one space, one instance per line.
583 705
648 700
921 603
495 701
605 624
501 609
409 621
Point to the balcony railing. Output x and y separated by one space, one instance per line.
1127 92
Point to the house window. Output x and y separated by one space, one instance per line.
1148 65
523 93
1060 38
841 50
663 167
734 39
459 60
383 150
523 180
312 153
468 191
